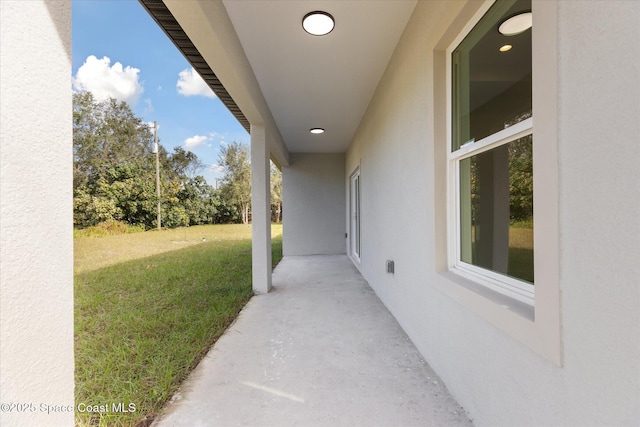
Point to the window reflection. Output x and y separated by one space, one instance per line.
496 209
492 88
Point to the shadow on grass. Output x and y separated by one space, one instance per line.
141 326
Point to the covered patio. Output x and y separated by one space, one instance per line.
319 350
375 187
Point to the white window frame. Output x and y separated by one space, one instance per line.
537 326
355 216
509 286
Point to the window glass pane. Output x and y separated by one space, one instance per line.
496 209
491 88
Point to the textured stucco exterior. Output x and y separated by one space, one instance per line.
36 245
498 380
313 205
260 211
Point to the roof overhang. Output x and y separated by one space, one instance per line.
268 71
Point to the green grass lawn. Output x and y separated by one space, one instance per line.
148 306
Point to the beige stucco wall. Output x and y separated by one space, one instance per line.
499 380
36 244
313 203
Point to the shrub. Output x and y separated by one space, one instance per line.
108 228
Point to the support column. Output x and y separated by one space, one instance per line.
260 210
36 209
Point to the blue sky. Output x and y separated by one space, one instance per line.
119 51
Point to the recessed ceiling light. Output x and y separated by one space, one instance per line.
318 23
505 48
516 24
316 131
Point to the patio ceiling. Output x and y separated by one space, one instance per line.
306 81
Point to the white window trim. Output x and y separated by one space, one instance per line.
355 257
514 288
504 136
502 283
537 326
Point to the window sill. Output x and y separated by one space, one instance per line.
482 297
513 317
517 319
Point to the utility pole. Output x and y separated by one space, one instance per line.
157 151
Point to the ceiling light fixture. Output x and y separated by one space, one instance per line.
316 131
506 48
318 23
516 24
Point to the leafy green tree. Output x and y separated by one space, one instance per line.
130 186
199 200
184 163
521 179
276 194
86 124
114 171
105 134
89 209
226 212
113 165
236 182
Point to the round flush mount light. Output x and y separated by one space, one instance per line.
318 23
506 48
516 24
316 131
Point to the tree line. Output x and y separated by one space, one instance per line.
115 174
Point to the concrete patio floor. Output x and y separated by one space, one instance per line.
319 350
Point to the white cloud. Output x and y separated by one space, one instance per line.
191 84
104 81
194 141
217 168
218 138
149 107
